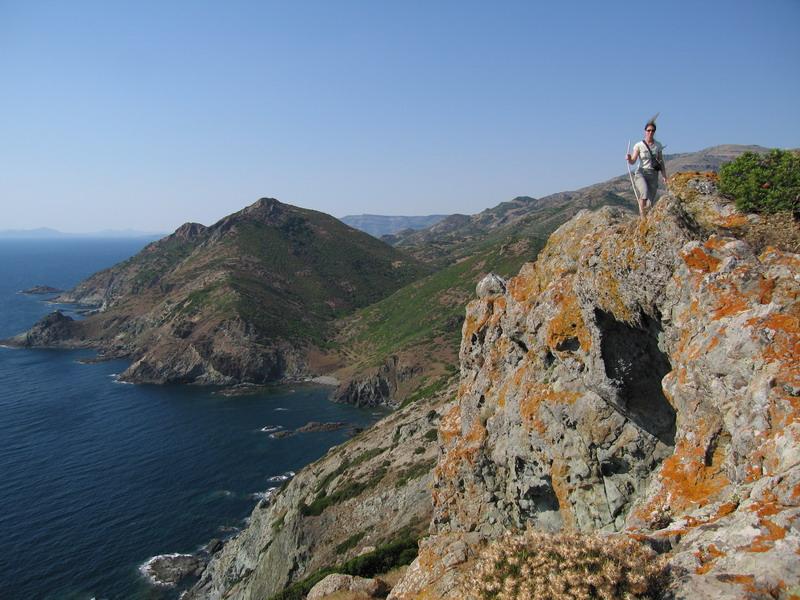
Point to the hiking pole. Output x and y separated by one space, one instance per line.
630 175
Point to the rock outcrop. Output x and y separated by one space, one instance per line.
52 330
358 586
377 386
642 376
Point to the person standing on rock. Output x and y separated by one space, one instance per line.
649 153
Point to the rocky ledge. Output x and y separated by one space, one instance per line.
641 377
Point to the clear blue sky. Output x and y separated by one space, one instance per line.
146 114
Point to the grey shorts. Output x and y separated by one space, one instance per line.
647 184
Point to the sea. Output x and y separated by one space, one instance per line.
97 476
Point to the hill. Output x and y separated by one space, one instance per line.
244 300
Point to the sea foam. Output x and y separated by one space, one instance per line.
148 568
271 428
282 477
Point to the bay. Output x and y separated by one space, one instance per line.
97 476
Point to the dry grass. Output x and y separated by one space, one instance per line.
392 577
781 230
348 596
561 566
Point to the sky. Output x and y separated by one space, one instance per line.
147 114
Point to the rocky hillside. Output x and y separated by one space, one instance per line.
459 235
411 338
244 300
640 377
366 493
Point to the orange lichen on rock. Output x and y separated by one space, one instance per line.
538 394
765 542
735 221
766 288
527 285
691 481
479 316
679 181
774 256
465 450
730 304
567 324
699 260
706 557
688 481
559 471
784 333
450 425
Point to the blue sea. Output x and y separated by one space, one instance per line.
97 476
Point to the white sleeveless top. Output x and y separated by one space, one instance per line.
645 159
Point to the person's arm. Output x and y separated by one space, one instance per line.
632 158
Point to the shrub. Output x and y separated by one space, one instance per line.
347 490
550 567
350 542
414 471
384 558
766 183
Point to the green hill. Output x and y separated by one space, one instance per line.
241 300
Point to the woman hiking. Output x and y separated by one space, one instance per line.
649 153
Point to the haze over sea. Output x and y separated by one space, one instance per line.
96 476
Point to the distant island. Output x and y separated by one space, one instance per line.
43 233
380 225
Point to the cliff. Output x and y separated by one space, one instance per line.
639 380
640 377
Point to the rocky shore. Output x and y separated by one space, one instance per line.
41 290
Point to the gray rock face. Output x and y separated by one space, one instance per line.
365 588
562 418
642 376
170 569
376 387
490 285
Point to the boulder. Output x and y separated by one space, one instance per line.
491 285
368 588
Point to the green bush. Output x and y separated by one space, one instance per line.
347 490
385 558
350 542
767 183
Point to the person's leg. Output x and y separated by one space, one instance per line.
652 188
642 191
